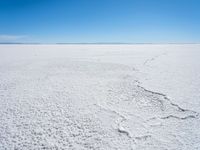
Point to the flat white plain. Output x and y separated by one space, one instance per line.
100 96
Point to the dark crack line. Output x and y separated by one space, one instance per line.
145 137
170 102
122 130
180 118
173 117
180 108
154 93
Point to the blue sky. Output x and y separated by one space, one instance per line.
135 21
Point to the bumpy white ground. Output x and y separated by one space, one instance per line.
100 97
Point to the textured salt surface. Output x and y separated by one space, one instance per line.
99 97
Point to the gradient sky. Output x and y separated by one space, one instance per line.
51 21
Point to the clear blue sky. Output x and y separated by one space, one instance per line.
51 21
